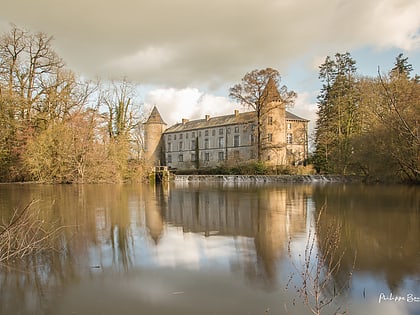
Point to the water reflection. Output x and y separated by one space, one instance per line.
380 226
155 203
164 239
267 215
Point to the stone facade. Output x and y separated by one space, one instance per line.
154 128
229 139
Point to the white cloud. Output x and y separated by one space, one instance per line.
175 104
188 42
179 249
306 108
388 23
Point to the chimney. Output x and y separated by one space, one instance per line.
207 117
236 112
184 121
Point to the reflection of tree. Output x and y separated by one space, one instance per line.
26 283
96 217
120 232
379 225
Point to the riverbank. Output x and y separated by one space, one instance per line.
268 178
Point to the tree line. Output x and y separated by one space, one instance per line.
368 126
58 127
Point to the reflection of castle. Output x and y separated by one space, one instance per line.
231 138
153 206
244 212
269 215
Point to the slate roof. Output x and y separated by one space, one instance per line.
290 116
240 118
270 92
155 117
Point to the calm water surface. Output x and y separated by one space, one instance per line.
214 249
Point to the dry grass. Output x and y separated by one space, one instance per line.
317 267
26 233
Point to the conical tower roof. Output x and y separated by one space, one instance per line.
270 93
155 117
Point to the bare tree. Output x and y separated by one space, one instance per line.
256 91
27 60
118 99
122 119
398 111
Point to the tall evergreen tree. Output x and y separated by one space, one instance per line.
401 67
337 114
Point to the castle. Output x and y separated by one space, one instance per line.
229 139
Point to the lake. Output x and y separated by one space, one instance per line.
219 248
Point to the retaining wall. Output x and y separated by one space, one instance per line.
266 178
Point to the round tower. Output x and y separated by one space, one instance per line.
153 143
273 126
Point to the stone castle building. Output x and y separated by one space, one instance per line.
229 139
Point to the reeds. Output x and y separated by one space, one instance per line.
26 233
316 268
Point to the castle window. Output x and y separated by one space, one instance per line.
221 156
169 137
193 134
252 139
169 146
186 135
206 133
180 158
236 129
193 144
236 140
270 137
213 132
206 143
174 137
180 145
180 136
199 133
221 142
289 138
270 120
289 125
207 156
169 158
193 158
220 131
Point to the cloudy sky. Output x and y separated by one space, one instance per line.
185 54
